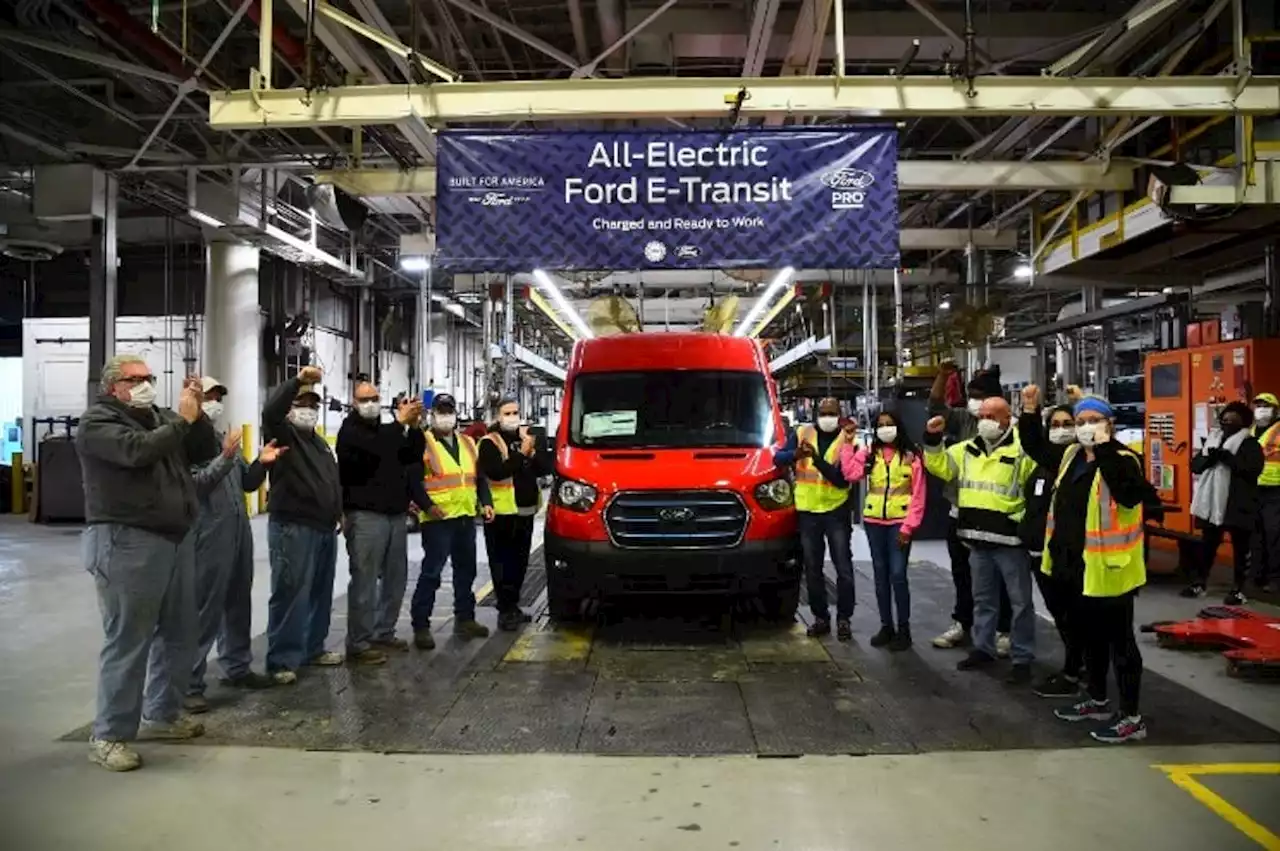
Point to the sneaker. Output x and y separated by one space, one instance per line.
1057 685
369 656
818 628
397 644
955 636
325 659
113 756
883 637
1019 674
1003 645
423 639
195 704
179 730
470 629
1131 729
283 678
1193 591
975 660
1235 598
901 640
1087 710
250 680
844 630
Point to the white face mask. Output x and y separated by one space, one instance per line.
304 418
509 422
1087 434
1264 415
142 395
368 410
444 422
1062 436
990 430
887 434
212 409
828 424
974 406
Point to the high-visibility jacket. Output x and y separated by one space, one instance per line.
450 484
813 492
888 487
1114 558
503 491
991 486
1270 440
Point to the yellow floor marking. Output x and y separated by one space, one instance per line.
485 590
1182 776
791 645
550 643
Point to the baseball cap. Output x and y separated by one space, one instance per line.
445 403
208 384
307 390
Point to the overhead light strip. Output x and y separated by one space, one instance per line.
786 299
775 287
544 281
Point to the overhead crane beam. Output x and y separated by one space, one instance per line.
707 97
913 175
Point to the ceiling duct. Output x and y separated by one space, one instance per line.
336 208
29 250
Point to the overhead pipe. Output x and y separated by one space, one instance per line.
139 34
610 14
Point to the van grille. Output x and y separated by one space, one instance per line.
697 520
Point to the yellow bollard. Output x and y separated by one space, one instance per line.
18 486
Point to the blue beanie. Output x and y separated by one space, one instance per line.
1096 404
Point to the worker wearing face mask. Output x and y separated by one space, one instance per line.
1225 501
1266 427
991 472
510 461
305 504
374 462
454 493
961 424
821 497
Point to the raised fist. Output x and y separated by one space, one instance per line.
310 375
1074 393
189 404
947 366
409 411
1030 398
936 425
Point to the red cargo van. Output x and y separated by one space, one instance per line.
665 482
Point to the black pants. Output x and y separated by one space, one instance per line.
962 577
1211 537
1267 567
508 540
1108 626
1063 597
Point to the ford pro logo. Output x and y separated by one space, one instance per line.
676 515
848 178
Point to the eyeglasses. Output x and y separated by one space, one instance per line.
135 380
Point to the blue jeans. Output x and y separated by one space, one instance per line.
303 560
889 564
446 540
224 588
1012 564
378 559
834 530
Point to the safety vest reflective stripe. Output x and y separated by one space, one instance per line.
1270 475
889 487
813 493
444 483
990 537
451 484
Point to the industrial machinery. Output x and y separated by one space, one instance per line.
1250 640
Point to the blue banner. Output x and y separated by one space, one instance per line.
801 197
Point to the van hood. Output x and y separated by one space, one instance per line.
612 470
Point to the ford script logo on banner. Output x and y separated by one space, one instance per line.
802 197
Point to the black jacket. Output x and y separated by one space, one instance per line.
1048 456
1122 470
135 469
1245 466
304 480
373 464
523 471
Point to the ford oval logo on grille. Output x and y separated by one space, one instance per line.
676 515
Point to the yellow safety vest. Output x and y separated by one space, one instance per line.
989 487
1114 561
1270 440
888 487
450 484
814 494
503 491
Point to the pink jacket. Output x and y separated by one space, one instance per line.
853 463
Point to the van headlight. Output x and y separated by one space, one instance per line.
575 496
775 495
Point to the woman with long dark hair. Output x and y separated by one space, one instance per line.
891 514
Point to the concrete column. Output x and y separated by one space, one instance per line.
103 262
233 333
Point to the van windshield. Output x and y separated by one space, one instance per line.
671 409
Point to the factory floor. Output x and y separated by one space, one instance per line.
628 735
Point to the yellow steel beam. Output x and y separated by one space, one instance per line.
688 97
772 314
375 182
540 301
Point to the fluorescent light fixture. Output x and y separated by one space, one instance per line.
456 309
944 305
544 281
775 286
1022 271
205 218
415 263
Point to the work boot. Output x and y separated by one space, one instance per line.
844 630
1057 685
819 628
470 629
195 704
249 680
510 621
901 640
113 756
883 637
397 644
423 639
975 660
955 636
1003 645
325 659
370 656
1019 674
180 729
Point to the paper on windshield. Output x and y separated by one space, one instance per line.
609 424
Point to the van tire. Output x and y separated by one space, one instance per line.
563 602
781 601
